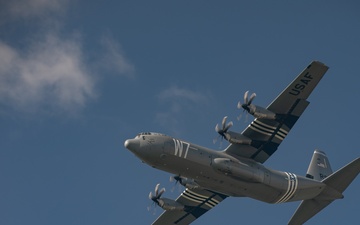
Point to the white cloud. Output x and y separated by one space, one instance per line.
114 59
174 93
34 8
177 102
50 72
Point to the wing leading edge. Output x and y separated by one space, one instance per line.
196 202
266 134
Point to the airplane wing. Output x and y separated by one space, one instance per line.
196 202
267 134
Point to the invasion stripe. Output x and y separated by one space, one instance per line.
281 132
259 126
285 197
279 136
295 184
192 196
196 194
271 127
292 187
211 201
268 130
288 189
257 129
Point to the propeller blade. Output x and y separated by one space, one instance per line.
223 122
160 193
246 97
230 124
239 105
157 190
252 98
239 117
217 129
216 139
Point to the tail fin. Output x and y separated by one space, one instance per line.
336 184
319 167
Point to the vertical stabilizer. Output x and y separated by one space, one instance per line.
319 167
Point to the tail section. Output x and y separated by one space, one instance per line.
336 184
342 178
319 167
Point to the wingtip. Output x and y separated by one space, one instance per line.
319 63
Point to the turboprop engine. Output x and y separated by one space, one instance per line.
232 137
256 111
165 203
184 181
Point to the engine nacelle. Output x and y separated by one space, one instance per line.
261 113
169 204
189 183
236 138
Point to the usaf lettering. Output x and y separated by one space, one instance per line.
301 85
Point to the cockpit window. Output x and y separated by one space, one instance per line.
150 134
143 134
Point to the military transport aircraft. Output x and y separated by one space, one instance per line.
211 176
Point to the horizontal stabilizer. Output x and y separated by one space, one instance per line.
342 178
336 184
306 210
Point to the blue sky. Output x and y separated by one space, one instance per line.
78 78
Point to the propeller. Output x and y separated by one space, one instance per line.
157 194
177 179
247 106
223 130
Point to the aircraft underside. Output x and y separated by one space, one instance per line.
273 187
211 176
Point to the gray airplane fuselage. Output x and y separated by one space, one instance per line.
220 172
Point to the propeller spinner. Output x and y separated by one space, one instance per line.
224 128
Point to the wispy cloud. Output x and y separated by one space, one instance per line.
33 8
175 94
177 101
51 72
114 58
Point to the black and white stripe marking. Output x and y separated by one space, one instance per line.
291 189
197 198
268 130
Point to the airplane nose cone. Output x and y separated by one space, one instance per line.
132 144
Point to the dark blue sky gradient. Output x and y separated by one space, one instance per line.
79 78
